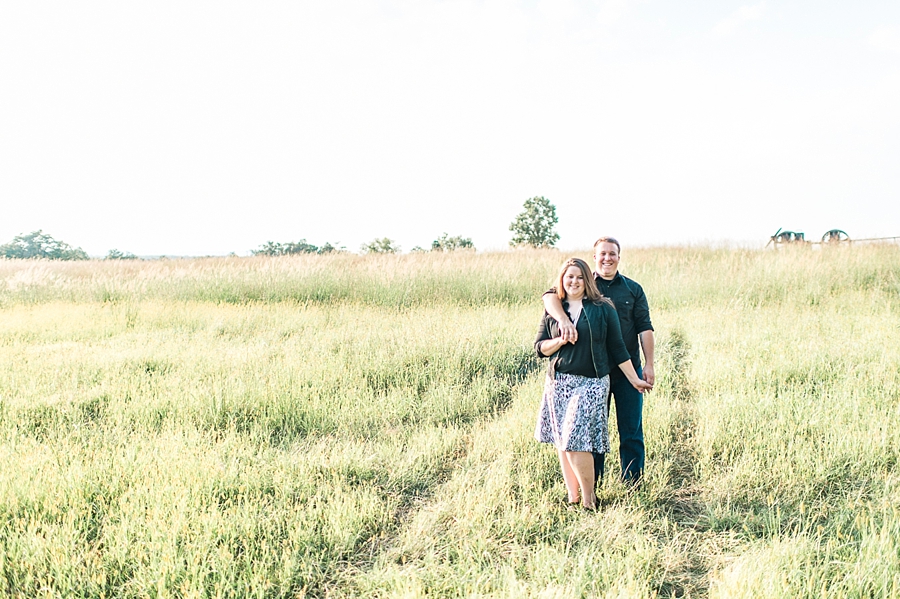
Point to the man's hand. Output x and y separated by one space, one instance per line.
553 306
647 344
568 332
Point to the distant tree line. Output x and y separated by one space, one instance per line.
445 243
40 245
533 227
380 246
117 255
273 248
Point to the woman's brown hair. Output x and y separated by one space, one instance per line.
590 287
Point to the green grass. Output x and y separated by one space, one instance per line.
348 426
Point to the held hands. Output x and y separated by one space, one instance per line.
648 374
567 332
642 385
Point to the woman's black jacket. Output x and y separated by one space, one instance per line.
607 347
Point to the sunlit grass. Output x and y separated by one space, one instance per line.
349 426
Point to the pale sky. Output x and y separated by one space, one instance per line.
203 128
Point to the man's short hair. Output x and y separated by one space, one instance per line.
611 240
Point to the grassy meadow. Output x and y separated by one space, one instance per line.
361 426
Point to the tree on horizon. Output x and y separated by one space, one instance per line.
534 225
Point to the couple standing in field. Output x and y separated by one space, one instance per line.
593 329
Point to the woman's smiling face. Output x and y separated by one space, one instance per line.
573 283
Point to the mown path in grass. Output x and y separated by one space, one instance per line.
497 526
756 487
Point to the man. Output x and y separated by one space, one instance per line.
637 331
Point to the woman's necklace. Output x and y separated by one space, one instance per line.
574 312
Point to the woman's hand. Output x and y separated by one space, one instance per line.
551 346
638 383
641 385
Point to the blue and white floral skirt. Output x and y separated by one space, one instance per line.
574 413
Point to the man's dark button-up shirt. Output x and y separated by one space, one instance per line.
632 308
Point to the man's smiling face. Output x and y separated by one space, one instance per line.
606 259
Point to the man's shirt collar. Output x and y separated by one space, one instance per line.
610 281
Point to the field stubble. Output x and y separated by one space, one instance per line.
361 426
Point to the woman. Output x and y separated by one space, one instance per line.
574 409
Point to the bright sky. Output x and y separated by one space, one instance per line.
201 128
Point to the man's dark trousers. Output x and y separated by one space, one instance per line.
629 420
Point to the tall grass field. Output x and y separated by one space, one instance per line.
362 426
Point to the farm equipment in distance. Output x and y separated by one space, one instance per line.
832 237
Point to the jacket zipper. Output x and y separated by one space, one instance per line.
591 333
